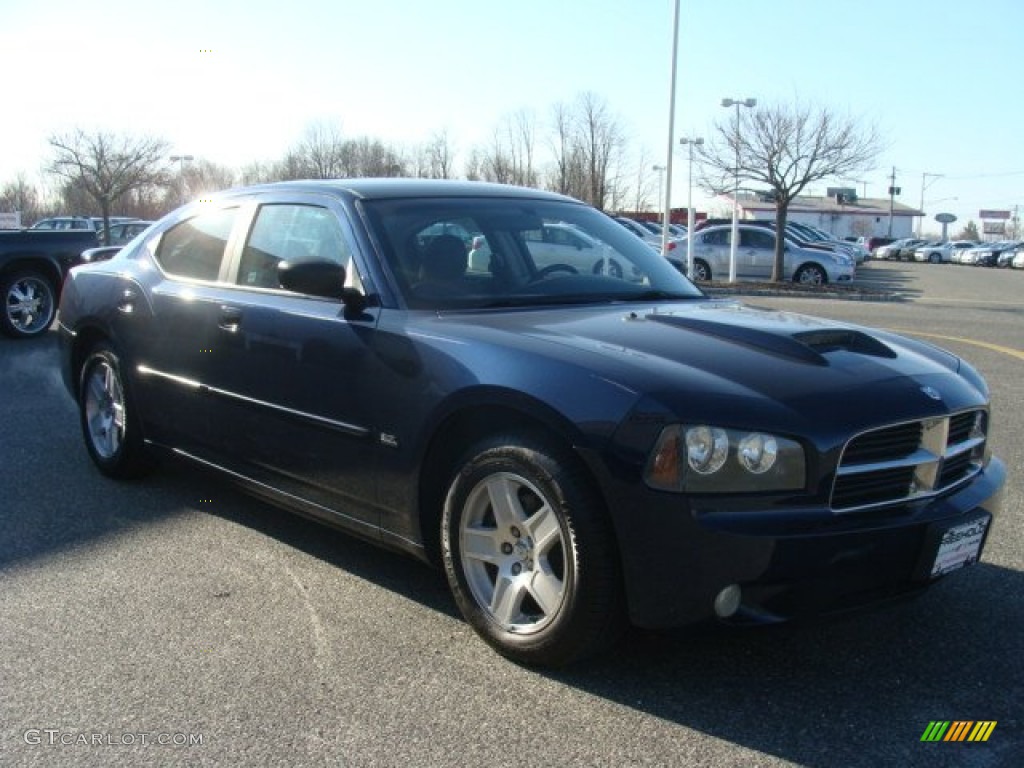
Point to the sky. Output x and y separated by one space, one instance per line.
238 82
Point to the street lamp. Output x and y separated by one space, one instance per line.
667 210
924 186
181 160
690 143
660 169
734 234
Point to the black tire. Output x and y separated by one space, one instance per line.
30 304
810 274
109 423
934 258
701 271
541 583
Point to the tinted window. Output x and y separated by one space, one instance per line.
757 238
293 233
195 248
715 237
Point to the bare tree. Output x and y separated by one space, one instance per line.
18 196
196 179
588 143
321 152
438 157
786 147
510 157
106 166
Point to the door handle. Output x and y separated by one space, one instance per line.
126 303
230 319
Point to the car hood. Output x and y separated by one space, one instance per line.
752 365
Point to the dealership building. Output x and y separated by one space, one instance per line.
841 213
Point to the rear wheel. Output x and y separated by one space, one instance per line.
30 303
934 258
109 423
529 553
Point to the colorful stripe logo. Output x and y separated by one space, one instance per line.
959 730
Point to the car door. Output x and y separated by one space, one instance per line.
756 253
171 329
294 374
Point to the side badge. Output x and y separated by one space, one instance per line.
389 441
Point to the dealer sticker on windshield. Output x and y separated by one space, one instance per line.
960 546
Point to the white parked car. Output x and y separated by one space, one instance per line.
560 247
755 256
941 253
1018 259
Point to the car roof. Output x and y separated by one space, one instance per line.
397 188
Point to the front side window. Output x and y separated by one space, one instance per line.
292 233
194 248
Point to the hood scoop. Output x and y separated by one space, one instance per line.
845 340
806 346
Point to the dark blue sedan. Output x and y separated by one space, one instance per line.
578 445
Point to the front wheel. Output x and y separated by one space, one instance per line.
810 274
108 418
30 303
701 271
529 553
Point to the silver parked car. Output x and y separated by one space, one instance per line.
755 256
941 253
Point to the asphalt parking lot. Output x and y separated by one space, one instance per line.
177 621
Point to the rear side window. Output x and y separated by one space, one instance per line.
756 238
195 248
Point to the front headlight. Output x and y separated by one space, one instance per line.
708 459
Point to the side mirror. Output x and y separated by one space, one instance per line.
321 278
103 253
315 278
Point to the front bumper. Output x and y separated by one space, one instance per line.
677 560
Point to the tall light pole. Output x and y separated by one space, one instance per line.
181 160
667 216
690 143
734 234
924 186
660 170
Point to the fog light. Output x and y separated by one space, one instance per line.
728 601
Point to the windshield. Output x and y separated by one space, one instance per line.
447 253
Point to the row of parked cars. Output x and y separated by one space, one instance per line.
121 229
812 256
1003 253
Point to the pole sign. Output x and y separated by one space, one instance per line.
986 213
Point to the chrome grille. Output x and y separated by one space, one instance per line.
909 461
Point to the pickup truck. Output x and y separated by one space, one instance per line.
33 265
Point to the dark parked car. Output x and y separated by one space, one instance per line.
33 263
574 449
